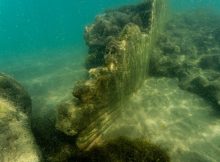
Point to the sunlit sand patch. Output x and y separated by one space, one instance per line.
179 121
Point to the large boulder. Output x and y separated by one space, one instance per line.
17 143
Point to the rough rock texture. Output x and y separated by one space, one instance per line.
189 48
17 143
14 92
119 46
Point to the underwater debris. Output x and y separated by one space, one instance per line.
123 149
17 142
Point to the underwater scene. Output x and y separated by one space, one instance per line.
110 81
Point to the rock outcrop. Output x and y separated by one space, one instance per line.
189 50
119 47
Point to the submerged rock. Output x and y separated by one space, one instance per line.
69 116
119 46
14 92
188 49
17 143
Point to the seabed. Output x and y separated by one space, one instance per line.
175 110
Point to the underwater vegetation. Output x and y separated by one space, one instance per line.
17 142
123 149
189 49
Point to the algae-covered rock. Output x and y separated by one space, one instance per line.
189 50
119 44
69 116
17 143
210 90
210 62
15 93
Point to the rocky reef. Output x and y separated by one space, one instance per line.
189 49
17 142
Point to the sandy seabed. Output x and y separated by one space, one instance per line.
179 121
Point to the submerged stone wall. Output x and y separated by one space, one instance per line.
17 142
119 44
